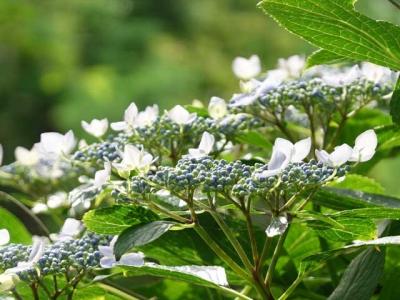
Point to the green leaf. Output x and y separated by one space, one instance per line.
361 277
356 245
341 199
351 228
254 138
369 213
115 219
17 230
359 183
324 57
139 235
335 26
200 111
395 104
200 275
388 137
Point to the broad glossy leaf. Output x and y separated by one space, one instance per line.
17 230
383 241
334 25
210 276
254 138
324 57
115 219
139 235
361 277
341 199
351 228
395 104
359 183
369 213
388 137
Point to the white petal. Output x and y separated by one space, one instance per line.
96 127
26 157
284 146
130 114
38 248
322 156
107 262
4 237
69 142
340 155
278 161
301 150
8 281
1 154
39 208
245 68
106 251
196 153
101 177
207 142
71 228
119 126
132 259
217 108
243 99
366 140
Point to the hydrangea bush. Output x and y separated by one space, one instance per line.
261 196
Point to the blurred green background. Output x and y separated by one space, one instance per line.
63 61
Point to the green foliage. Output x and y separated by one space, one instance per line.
115 219
361 277
395 104
18 232
139 235
335 26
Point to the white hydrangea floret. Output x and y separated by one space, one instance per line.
338 157
285 152
365 146
180 115
205 147
26 157
96 127
246 68
134 158
56 143
217 108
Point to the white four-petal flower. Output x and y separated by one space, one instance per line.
130 115
246 68
338 157
134 159
56 143
285 152
180 115
205 147
365 146
217 108
96 127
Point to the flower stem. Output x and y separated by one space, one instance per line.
220 252
291 288
275 257
232 239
